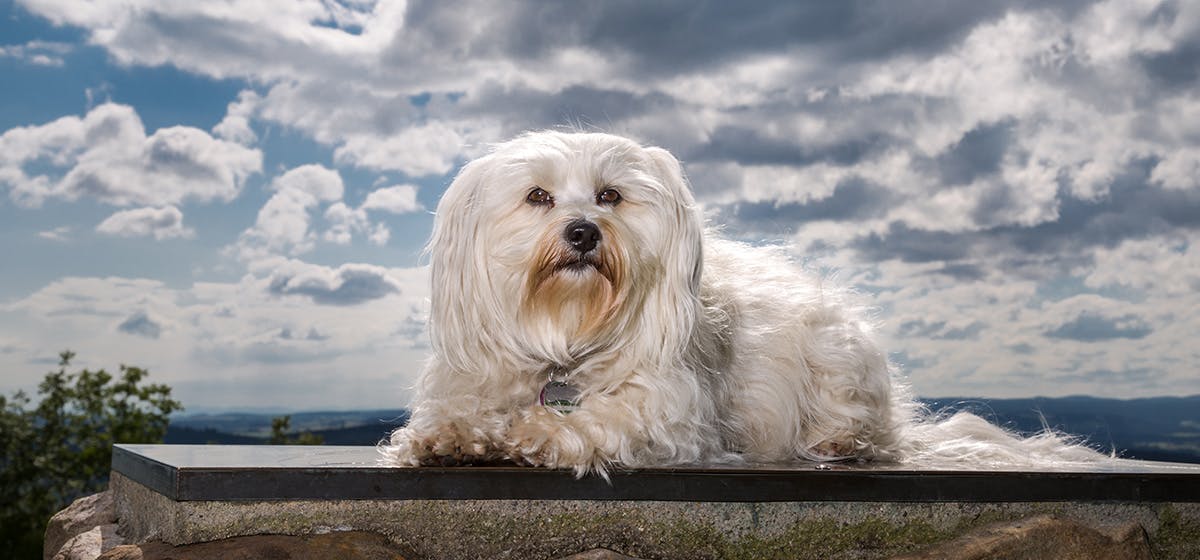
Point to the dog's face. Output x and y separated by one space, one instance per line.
561 244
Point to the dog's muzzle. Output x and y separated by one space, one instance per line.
582 235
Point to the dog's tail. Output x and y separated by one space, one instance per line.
939 441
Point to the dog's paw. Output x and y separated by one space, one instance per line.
530 438
541 437
446 443
834 450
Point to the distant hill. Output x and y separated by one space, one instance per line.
1157 429
369 434
338 424
366 427
180 434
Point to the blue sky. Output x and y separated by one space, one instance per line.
235 195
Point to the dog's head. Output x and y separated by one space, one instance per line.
558 245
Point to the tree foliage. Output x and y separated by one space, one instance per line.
62 448
279 434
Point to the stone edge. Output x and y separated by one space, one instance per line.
554 528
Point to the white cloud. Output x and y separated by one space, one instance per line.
211 341
162 223
1080 127
377 127
1180 169
60 233
999 337
235 127
39 53
107 156
418 151
979 170
282 226
239 38
343 221
315 181
344 74
1114 30
379 234
396 199
1165 269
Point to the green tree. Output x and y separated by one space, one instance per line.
279 434
62 448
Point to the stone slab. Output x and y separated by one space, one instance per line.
280 473
180 495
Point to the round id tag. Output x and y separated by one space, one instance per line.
559 396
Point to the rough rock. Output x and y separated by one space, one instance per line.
598 554
90 544
349 545
83 515
1043 536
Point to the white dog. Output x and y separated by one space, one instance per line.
582 318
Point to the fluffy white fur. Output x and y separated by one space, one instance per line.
685 347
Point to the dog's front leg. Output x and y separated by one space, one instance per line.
442 433
658 419
605 429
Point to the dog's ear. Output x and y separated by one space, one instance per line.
676 300
689 220
455 313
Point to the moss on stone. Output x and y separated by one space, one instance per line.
815 538
663 531
828 538
642 536
1177 536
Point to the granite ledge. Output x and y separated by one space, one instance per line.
281 473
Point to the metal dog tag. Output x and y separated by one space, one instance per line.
559 396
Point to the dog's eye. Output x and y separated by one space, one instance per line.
608 196
538 197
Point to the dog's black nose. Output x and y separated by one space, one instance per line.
582 235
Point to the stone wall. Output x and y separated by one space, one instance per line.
157 527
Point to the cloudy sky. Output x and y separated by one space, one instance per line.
235 194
